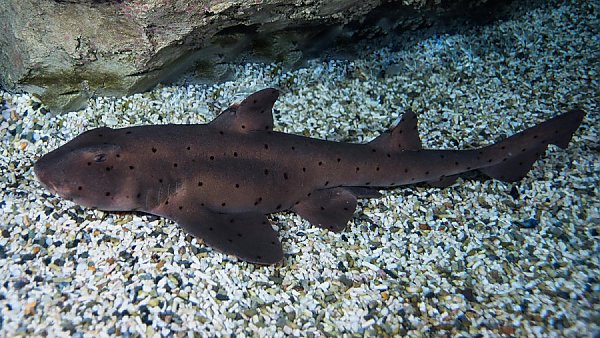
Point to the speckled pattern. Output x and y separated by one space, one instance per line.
479 257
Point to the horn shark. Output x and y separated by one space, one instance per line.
220 180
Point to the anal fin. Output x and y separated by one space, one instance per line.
329 209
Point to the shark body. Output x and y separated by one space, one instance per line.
220 180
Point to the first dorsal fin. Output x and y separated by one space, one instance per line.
404 136
254 113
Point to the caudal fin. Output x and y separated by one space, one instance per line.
521 150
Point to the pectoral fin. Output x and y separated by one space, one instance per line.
328 208
248 236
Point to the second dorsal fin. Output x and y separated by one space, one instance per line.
404 136
254 113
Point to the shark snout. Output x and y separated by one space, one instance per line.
47 174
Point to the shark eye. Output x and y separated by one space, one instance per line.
100 158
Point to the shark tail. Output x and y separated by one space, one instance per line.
521 150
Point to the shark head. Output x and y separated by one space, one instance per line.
88 171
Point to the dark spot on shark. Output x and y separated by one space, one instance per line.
293 148
266 146
221 132
223 204
405 170
235 154
131 167
278 206
189 148
200 183
285 176
304 169
320 163
266 171
357 169
377 169
79 188
212 158
237 185
107 193
326 183
154 150
174 165
128 132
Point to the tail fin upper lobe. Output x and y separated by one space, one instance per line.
521 150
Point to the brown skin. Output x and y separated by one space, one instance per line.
219 180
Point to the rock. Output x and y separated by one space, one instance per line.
65 52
